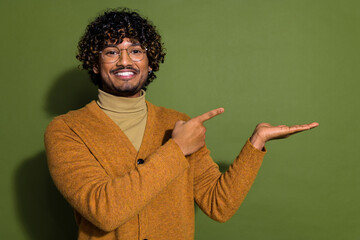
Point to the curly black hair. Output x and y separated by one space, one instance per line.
113 26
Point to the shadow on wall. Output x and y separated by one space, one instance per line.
223 167
43 212
72 90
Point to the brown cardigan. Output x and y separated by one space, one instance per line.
96 168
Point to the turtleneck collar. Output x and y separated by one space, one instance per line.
122 105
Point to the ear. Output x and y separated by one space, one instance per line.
150 69
95 69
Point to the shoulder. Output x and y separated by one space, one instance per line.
74 118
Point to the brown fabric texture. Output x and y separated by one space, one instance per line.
94 166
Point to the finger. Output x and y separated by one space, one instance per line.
314 124
206 116
180 122
309 126
264 125
303 127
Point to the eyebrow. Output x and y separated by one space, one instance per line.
113 45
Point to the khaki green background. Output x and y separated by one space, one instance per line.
276 61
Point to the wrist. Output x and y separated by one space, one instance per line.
257 142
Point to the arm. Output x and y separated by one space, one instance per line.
106 202
220 195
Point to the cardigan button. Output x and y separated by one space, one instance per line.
140 161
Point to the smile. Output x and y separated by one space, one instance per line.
125 74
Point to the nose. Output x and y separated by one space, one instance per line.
124 58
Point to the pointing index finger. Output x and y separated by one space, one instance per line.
208 115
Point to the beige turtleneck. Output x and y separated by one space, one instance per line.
129 114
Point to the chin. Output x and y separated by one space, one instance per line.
126 89
127 92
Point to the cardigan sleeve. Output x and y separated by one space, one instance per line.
107 202
220 195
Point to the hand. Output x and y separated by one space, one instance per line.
190 135
265 132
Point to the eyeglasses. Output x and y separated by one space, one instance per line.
113 53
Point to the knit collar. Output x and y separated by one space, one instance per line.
117 104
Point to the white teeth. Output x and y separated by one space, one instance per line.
124 73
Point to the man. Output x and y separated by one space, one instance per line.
132 170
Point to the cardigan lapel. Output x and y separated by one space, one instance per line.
106 140
100 133
147 141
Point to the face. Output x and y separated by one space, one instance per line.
124 77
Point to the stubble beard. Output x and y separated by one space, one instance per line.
126 90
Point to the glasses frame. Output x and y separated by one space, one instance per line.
120 53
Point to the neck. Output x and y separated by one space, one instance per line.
128 94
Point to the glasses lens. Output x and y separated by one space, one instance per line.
136 53
110 54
